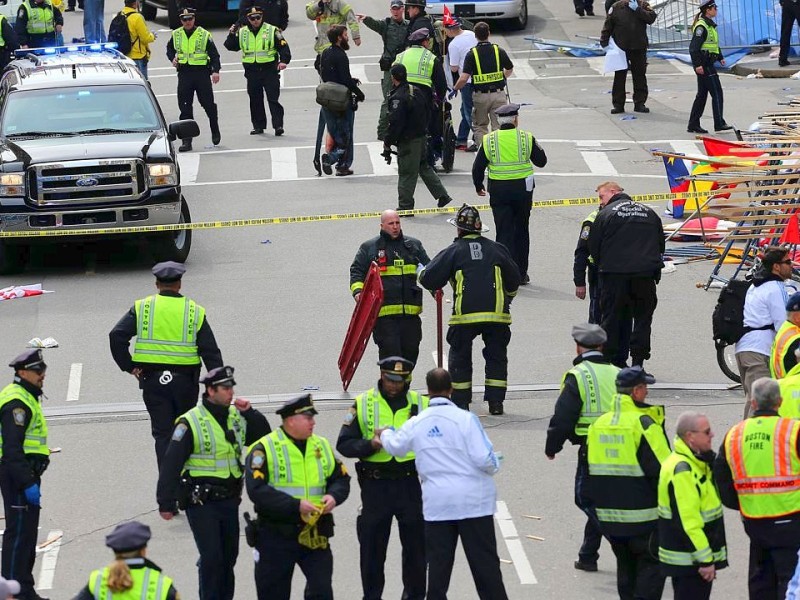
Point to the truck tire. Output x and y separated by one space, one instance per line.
149 11
172 14
173 245
12 258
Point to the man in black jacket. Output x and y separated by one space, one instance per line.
409 111
485 279
335 67
627 23
398 329
627 244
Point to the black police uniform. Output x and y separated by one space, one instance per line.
195 79
211 504
276 12
424 21
18 472
279 524
708 83
583 268
10 42
562 429
486 57
485 278
168 390
394 334
389 490
35 40
511 204
263 78
627 279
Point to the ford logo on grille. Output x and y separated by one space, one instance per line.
87 182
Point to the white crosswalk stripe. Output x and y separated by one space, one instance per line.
599 163
379 166
284 163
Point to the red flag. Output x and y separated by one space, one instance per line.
447 17
791 234
717 147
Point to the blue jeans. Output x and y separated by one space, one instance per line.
340 126
466 115
142 64
93 27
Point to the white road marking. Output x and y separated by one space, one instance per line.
597 63
599 163
48 562
681 66
688 147
189 163
435 358
589 143
514 545
284 164
379 166
359 72
74 386
524 71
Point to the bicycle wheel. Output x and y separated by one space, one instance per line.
726 359
448 146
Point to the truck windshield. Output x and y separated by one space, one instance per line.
72 111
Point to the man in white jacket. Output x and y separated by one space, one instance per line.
455 461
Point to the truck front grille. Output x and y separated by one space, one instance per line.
86 182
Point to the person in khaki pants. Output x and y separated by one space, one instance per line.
489 66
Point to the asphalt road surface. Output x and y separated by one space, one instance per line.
278 300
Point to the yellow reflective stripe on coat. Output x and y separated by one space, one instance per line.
480 317
166 330
258 47
213 454
498 383
399 309
509 154
302 476
419 65
493 76
191 51
40 19
35 441
373 412
148 584
621 515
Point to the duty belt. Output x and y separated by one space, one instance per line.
367 471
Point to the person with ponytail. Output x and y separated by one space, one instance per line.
704 50
131 575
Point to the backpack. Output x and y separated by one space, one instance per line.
333 96
118 32
727 321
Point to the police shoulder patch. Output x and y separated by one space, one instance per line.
21 13
585 232
257 460
350 416
395 104
179 432
699 31
19 416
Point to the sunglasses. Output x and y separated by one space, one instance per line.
785 262
254 18
187 18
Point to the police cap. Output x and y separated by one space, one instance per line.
186 14
8 587
169 271
30 360
296 406
396 3
419 35
707 4
420 3
128 536
220 376
589 335
633 376
793 303
396 368
468 219
507 110
255 11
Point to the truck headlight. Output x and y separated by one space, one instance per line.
12 184
161 175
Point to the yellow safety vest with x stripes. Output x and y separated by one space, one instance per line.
300 476
213 455
258 47
191 50
166 330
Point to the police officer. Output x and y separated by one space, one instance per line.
704 51
203 467
489 66
583 265
390 486
409 112
295 482
131 575
393 30
508 153
756 469
8 42
24 456
172 335
418 19
398 329
276 12
192 51
264 55
691 530
38 24
784 355
587 392
626 447
485 279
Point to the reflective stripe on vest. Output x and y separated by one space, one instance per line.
498 316
419 65
302 477
691 559
711 45
613 441
492 77
212 454
36 434
2 39
597 387
148 584
166 330
786 335
40 19
399 268
509 153
191 50
373 412
790 393
258 47
627 515
762 454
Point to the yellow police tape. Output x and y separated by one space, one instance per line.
316 218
